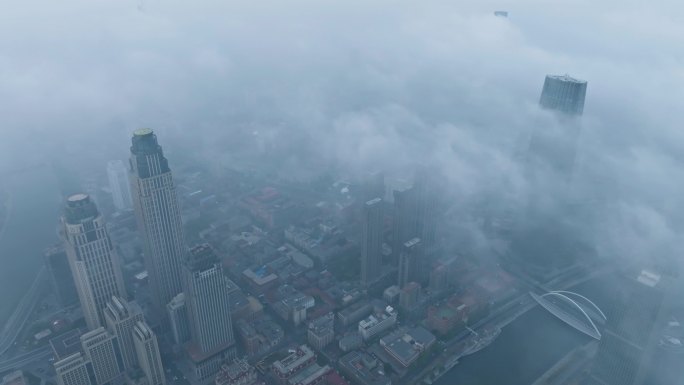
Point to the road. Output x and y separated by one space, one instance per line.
21 314
25 359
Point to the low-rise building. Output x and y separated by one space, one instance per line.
236 372
354 313
363 369
406 345
350 341
377 322
299 359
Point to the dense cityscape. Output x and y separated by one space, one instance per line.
241 280
351 192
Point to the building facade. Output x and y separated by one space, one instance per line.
158 215
120 317
564 94
178 319
61 278
72 370
94 262
371 244
321 331
99 348
147 352
207 299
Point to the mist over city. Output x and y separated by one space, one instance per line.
341 192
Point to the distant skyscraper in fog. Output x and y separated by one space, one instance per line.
119 184
158 214
371 243
409 257
94 262
564 94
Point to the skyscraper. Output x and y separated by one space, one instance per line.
178 319
72 370
564 94
158 214
408 259
405 220
61 279
98 346
120 317
147 351
371 244
206 296
94 262
118 184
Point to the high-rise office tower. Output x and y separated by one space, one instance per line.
405 220
371 243
119 185
99 349
564 94
120 317
426 195
206 296
408 259
94 261
158 214
72 370
61 279
147 350
178 319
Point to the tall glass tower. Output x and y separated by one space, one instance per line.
158 214
93 260
563 93
371 243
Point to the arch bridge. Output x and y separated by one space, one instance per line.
587 311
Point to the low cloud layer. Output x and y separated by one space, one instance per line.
360 85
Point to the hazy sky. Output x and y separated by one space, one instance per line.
363 84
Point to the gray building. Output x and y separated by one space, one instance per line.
178 319
207 299
564 94
118 184
371 244
409 257
321 331
121 316
99 348
158 214
94 262
61 278
147 351
72 370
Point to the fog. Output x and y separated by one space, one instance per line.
360 85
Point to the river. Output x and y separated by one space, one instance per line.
30 229
524 350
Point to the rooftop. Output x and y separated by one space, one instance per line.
567 78
66 344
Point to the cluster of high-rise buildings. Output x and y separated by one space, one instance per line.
189 290
188 287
